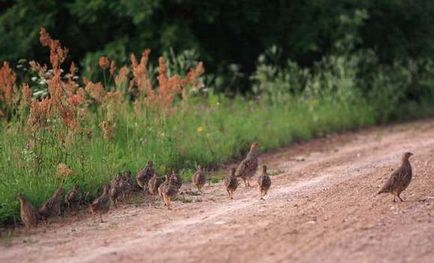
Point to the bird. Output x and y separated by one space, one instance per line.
127 185
116 190
101 205
163 185
74 197
177 180
247 168
53 205
231 183
154 183
144 175
170 190
29 215
199 178
399 179
264 182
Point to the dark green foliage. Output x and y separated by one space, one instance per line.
224 32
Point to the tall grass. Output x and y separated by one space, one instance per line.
60 131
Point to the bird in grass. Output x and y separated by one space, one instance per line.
101 205
144 175
163 185
126 184
29 215
116 190
264 182
177 180
170 190
199 178
399 179
52 206
74 197
231 183
247 168
154 183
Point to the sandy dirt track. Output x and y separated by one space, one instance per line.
322 207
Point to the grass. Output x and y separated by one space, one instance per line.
94 131
197 133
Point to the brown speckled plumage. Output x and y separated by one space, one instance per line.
101 205
74 197
199 178
231 183
163 185
28 213
144 175
399 179
53 206
154 183
116 190
127 184
264 182
170 190
247 168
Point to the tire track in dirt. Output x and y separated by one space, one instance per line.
322 207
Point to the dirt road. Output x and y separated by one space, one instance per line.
322 207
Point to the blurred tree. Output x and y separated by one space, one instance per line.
225 33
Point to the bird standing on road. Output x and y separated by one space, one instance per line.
264 182
231 183
247 168
28 213
101 205
199 178
52 206
144 175
399 179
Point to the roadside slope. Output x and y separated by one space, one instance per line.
322 207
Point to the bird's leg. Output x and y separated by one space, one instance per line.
100 217
168 203
229 193
244 180
400 198
394 198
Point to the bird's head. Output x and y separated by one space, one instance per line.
60 191
150 163
233 172
406 156
20 197
264 169
254 147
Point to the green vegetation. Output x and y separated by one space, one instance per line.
58 128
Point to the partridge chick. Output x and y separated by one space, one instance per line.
399 179
126 184
154 183
247 168
264 182
170 190
231 183
74 197
199 178
53 205
163 185
28 213
177 180
116 190
101 205
145 175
